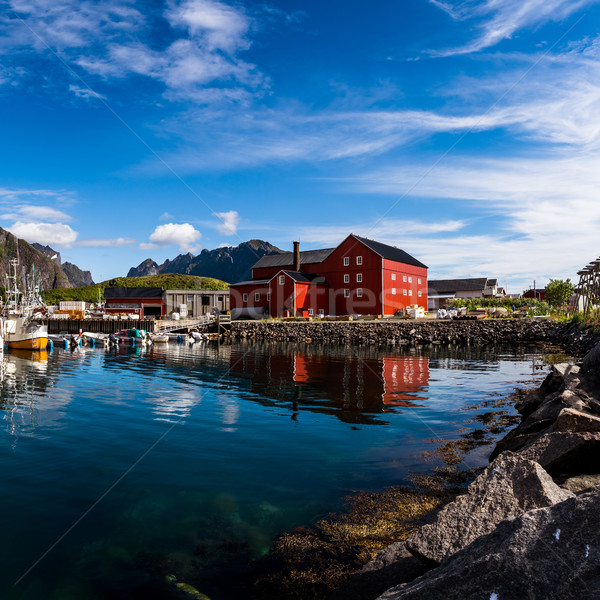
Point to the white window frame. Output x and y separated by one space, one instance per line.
321 312
359 260
359 292
346 293
393 276
410 280
310 312
404 278
257 297
404 292
393 291
419 281
410 292
420 293
346 278
245 298
359 278
346 261
281 279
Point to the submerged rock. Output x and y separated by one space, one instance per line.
551 553
508 487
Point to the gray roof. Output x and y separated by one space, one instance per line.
251 282
306 277
390 252
286 259
441 286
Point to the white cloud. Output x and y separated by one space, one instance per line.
183 235
166 216
222 26
105 242
501 19
51 234
229 222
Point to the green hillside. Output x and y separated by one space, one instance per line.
167 281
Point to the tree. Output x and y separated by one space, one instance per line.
558 292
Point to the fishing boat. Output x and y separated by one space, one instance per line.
21 329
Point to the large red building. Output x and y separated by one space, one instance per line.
358 277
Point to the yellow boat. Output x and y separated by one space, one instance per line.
25 334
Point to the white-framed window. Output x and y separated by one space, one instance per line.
359 260
346 261
404 292
403 277
410 280
393 291
393 276
190 298
321 312
359 292
359 278
245 297
410 292
346 278
281 279
310 312
419 281
346 293
257 297
420 293
268 296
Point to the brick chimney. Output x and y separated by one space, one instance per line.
296 256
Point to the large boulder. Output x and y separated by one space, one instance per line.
591 361
508 487
392 566
551 553
566 452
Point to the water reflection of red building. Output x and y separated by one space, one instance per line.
364 383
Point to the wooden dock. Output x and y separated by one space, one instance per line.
73 326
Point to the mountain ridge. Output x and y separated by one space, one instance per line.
228 263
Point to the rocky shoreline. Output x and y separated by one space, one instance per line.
529 525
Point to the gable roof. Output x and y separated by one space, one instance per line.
305 277
132 292
456 285
286 259
390 252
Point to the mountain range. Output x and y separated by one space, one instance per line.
230 263
49 271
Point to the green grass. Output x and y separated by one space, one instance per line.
167 281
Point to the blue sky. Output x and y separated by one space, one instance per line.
466 133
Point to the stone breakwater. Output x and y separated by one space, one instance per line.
483 332
386 333
529 525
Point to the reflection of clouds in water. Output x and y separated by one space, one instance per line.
230 412
171 405
29 400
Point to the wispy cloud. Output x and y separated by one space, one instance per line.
499 20
105 242
199 59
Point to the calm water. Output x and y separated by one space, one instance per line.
122 466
